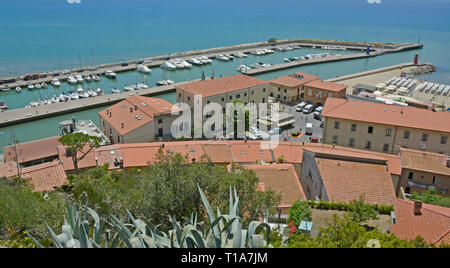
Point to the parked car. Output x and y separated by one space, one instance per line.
321 123
308 109
275 131
314 140
309 129
300 106
318 112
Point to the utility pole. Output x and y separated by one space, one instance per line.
13 135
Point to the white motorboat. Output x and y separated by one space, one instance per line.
96 78
18 89
38 86
240 55
222 58
170 82
72 80
142 85
5 89
92 93
99 91
286 60
178 64
129 88
115 90
143 69
243 68
44 85
79 78
88 78
56 83
62 98
195 61
34 104
186 64
111 74
84 95
74 96
80 89
30 87
164 82
168 66
55 99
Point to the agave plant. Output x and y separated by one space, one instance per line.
76 230
225 231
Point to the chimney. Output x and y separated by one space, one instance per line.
135 107
417 208
131 109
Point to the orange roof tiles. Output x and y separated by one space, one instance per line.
43 177
424 161
433 224
324 85
125 113
387 114
294 80
222 85
280 178
34 150
347 180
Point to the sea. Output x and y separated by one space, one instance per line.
47 35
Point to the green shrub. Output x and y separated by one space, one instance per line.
300 211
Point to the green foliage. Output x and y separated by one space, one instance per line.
79 145
360 212
23 241
169 187
342 206
432 197
345 233
22 210
295 133
272 40
280 159
300 211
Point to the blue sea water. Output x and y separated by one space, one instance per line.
44 35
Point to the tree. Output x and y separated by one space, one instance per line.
432 197
359 211
79 145
300 211
272 40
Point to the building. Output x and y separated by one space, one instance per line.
282 179
43 177
422 171
412 219
137 119
385 128
318 91
290 88
34 152
343 178
224 90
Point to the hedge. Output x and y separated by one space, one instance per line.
342 206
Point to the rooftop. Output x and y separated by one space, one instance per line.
324 85
424 161
217 86
409 117
134 112
347 180
294 80
282 179
433 224
34 150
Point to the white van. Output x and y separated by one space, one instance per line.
309 129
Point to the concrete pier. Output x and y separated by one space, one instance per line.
13 82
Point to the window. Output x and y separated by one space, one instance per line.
368 144
160 132
223 99
319 94
351 142
179 95
264 90
353 127
444 140
370 130
278 96
263 100
388 132
330 95
285 91
284 97
253 92
336 125
271 94
410 176
385 147
245 94
279 89
309 92
231 97
406 135
189 98
160 121
207 102
407 190
118 139
335 139
434 180
424 137
238 96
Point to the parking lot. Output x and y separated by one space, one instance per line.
301 120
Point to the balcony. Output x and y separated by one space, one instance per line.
421 185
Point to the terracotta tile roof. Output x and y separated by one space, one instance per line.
280 178
424 161
147 109
294 80
346 181
387 114
433 224
33 150
325 85
43 177
222 85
